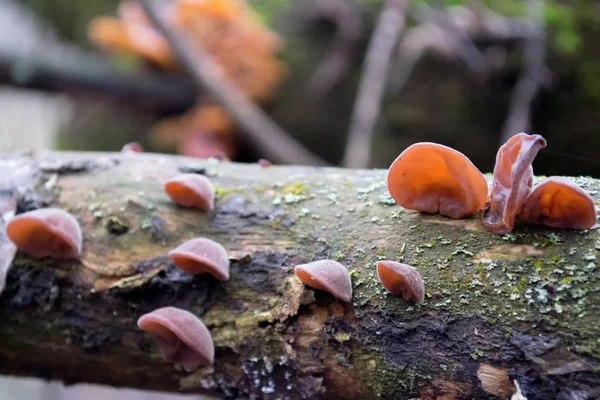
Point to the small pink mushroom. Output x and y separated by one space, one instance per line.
559 203
513 178
202 256
327 275
263 162
132 147
181 336
401 279
191 190
47 232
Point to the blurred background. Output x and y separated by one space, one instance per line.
342 82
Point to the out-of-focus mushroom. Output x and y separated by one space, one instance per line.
191 190
202 256
181 336
132 147
513 178
432 178
401 279
327 275
559 203
47 232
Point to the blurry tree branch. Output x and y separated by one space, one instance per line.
532 75
373 83
262 132
64 70
336 62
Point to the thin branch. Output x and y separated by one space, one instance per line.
373 82
273 141
532 75
337 60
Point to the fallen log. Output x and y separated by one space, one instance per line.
522 308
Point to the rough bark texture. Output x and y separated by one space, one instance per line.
523 306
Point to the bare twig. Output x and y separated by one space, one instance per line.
532 75
372 85
273 141
337 60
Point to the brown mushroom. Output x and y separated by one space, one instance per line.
327 275
47 232
432 178
401 279
559 203
191 190
513 178
181 336
202 256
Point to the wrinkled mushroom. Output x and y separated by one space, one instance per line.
47 232
191 190
202 256
181 336
401 279
513 178
327 275
559 203
432 178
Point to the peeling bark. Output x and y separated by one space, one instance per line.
521 307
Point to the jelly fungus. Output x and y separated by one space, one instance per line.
181 336
327 275
202 256
559 203
432 178
47 232
401 279
513 178
132 147
191 190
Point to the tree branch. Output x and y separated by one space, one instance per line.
532 74
372 85
273 141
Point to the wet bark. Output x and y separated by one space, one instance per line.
522 307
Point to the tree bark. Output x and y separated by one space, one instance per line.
522 307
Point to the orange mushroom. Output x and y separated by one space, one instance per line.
513 178
47 232
327 275
181 336
559 203
191 190
202 256
432 178
401 279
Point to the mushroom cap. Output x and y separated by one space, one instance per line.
202 256
401 279
432 178
513 178
181 336
47 232
327 275
191 190
559 203
132 147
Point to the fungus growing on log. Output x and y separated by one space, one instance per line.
432 178
132 147
191 190
47 232
401 279
513 178
202 256
559 203
181 336
327 275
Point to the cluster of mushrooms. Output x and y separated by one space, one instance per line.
426 177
